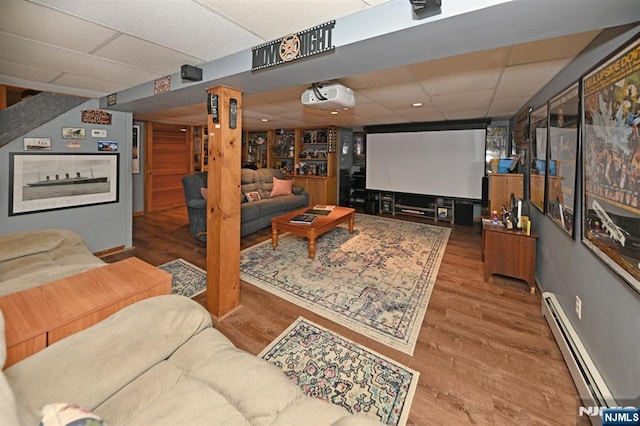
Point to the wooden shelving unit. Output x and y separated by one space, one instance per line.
255 148
426 206
199 148
309 157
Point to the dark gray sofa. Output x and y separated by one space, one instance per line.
255 215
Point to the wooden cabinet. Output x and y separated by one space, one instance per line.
501 186
509 252
322 190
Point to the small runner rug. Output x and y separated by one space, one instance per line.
327 366
188 280
376 281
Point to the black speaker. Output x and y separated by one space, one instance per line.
463 213
485 192
425 8
191 73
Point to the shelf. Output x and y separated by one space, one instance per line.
426 206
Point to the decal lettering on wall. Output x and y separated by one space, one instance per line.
312 41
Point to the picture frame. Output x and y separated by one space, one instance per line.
611 162
562 161
538 151
52 181
359 149
37 144
73 133
107 146
135 150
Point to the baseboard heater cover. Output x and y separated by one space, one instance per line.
591 387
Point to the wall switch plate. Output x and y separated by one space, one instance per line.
578 307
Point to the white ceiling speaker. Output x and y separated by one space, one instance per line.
328 97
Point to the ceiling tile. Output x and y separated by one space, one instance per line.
271 21
486 59
478 99
396 95
25 19
40 55
27 72
145 55
527 80
196 31
421 114
505 107
88 83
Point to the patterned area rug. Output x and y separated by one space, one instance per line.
188 280
376 281
329 367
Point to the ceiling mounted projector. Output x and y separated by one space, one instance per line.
328 97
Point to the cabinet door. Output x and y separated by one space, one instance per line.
501 187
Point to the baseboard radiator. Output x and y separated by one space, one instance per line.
591 387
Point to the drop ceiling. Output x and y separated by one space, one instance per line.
93 49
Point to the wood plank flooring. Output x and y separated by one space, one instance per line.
485 354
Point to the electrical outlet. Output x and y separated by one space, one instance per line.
578 307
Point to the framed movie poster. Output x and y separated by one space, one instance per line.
564 111
359 151
135 150
538 135
40 182
611 162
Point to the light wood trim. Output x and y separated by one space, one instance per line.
3 96
223 217
148 161
88 320
109 251
22 350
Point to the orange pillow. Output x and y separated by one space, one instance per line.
281 187
204 191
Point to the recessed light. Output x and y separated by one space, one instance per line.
417 104
334 112
264 119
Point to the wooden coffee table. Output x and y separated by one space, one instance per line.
37 317
312 231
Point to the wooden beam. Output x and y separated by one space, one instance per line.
223 203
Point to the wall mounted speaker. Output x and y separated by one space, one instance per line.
191 73
425 8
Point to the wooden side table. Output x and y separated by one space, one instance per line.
37 317
509 252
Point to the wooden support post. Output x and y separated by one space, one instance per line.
223 202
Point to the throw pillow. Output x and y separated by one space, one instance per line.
252 196
204 193
281 187
61 414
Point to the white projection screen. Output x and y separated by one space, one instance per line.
448 163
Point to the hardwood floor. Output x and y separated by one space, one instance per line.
485 354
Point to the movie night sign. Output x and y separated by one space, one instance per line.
303 44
